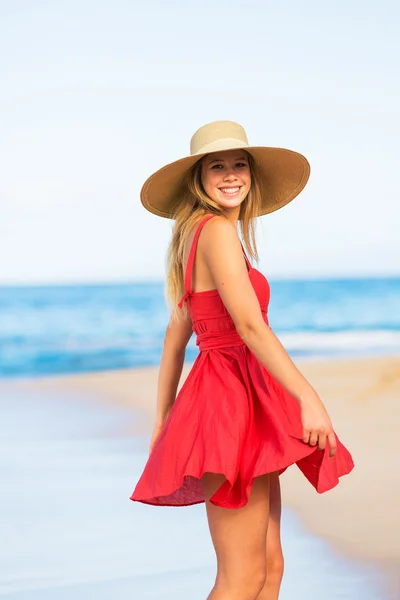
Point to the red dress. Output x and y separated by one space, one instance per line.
230 416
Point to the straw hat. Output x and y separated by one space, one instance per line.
282 173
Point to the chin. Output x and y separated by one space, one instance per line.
230 203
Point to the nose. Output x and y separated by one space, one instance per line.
230 174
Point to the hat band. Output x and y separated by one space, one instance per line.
224 144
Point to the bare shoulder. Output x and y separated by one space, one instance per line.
227 271
220 246
219 230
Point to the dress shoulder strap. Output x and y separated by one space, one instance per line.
246 259
192 253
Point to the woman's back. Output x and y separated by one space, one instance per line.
208 312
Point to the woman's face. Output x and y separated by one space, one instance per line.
226 177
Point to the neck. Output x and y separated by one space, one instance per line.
232 214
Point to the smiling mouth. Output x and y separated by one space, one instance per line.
229 191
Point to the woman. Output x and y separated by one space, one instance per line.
245 412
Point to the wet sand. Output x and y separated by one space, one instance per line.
360 516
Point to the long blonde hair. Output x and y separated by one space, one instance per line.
193 206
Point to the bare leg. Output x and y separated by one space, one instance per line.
275 561
239 538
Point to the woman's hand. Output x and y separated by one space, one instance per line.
317 426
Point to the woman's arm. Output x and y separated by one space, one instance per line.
220 248
177 335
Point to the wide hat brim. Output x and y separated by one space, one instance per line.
282 173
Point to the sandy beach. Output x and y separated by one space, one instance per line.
360 516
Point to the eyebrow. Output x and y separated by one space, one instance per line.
222 160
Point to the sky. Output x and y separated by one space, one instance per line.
97 95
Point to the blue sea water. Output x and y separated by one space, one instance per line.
78 328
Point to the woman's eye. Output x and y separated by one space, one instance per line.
216 166
241 165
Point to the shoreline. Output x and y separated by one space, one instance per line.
362 396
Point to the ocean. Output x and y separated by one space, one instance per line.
59 329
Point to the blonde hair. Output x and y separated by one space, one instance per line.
191 208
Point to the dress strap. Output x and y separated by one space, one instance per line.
192 253
246 259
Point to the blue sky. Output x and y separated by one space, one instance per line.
95 96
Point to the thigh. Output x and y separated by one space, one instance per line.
274 548
239 535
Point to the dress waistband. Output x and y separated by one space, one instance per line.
222 339
218 339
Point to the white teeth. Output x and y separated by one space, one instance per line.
230 190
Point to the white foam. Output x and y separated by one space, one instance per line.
365 341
